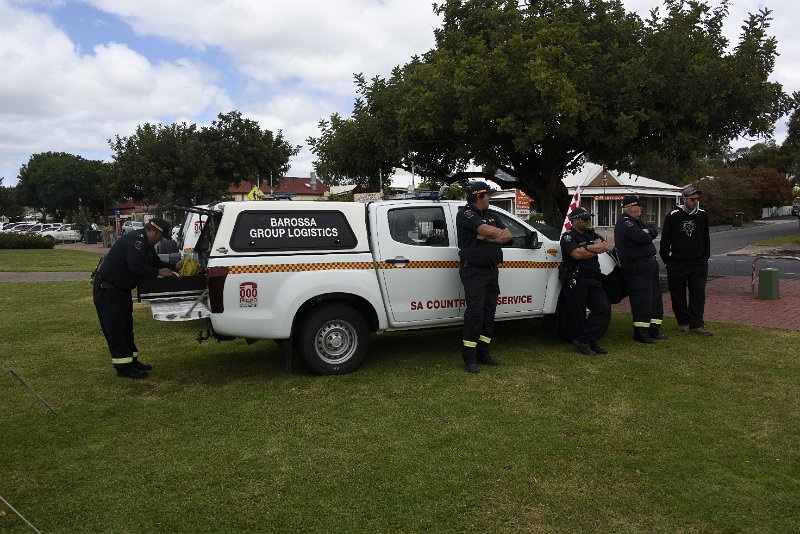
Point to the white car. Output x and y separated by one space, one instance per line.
65 233
130 226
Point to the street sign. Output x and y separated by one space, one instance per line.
116 212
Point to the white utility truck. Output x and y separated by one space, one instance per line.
320 276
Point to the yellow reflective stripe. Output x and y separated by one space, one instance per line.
135 354
120 361
656 321
485 339
470 344
638 324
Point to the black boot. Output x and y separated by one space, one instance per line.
583 348
141 365
655 332
129 371
485 359
642 334
597 348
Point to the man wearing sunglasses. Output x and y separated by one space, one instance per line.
685 249
582 287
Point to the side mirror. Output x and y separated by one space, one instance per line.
532 240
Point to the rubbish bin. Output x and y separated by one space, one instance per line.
768 284
91 237
738 217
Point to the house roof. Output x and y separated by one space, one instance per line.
287 184
593 179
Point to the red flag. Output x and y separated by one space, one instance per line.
576 203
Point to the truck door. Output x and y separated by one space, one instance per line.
524 272
418 263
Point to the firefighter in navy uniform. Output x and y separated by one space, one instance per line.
581 283
637 255
480 234
131 258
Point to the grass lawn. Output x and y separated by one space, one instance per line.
791 239
47 260
692 434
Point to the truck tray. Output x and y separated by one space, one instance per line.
173 286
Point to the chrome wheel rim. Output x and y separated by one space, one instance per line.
336 342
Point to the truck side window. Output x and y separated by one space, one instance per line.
518 232
424 227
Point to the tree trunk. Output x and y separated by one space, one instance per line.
548 193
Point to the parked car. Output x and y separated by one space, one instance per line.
38 228
65 233
130 226
796 207
22 228
8 227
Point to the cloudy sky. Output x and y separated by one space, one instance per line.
75 73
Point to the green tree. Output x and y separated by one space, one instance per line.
56 183
744 189
533 88
9 206
181 164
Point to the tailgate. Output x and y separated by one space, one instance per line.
176 298
180 309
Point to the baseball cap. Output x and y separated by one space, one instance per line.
691 190
156 223
476 188
580 213
631 200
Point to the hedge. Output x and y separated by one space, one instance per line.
25 241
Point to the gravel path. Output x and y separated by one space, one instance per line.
44 277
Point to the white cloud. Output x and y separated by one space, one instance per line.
54 99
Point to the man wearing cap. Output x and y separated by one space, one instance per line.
480 234
131 258
637 254
582 287
685 249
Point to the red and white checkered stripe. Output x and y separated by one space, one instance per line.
576 203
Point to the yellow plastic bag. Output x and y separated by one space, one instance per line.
189 267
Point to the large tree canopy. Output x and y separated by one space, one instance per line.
532 88
56 183
180 163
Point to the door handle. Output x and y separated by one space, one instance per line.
398 260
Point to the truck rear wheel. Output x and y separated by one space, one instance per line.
334 339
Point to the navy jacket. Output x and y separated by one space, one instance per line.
470 248
131 258
630 240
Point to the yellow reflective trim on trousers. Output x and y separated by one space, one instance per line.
656 321
470 344
640 325
121 361
135 354
485 339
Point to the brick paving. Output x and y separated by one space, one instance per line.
730 300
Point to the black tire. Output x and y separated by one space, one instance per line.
334 339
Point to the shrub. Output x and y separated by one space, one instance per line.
25 241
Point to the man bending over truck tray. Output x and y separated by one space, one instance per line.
131 258
480 235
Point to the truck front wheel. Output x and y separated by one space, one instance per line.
334 339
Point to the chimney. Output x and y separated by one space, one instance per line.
313 181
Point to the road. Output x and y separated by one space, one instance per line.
722 243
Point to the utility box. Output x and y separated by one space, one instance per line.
768 284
